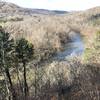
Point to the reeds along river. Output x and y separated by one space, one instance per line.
73 48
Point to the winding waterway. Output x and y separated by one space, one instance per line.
73 48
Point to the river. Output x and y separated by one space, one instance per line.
73 48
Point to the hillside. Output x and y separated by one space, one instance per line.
12 9
73 36
43 27
44 23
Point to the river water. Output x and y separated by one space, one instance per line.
73 48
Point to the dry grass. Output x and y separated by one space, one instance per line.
52 30
49 33
41 33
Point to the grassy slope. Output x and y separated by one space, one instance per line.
52 31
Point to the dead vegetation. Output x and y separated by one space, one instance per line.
58 80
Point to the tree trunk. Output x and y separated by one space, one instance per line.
26 91
11 85
19 81
59 96
7 87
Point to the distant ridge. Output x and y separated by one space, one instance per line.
10 8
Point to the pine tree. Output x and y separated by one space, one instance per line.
24 52
6 57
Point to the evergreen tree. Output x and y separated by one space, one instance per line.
24 53
6 57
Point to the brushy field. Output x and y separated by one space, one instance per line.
73 79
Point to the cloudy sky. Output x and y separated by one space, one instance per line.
57 4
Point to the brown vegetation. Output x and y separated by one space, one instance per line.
73 79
